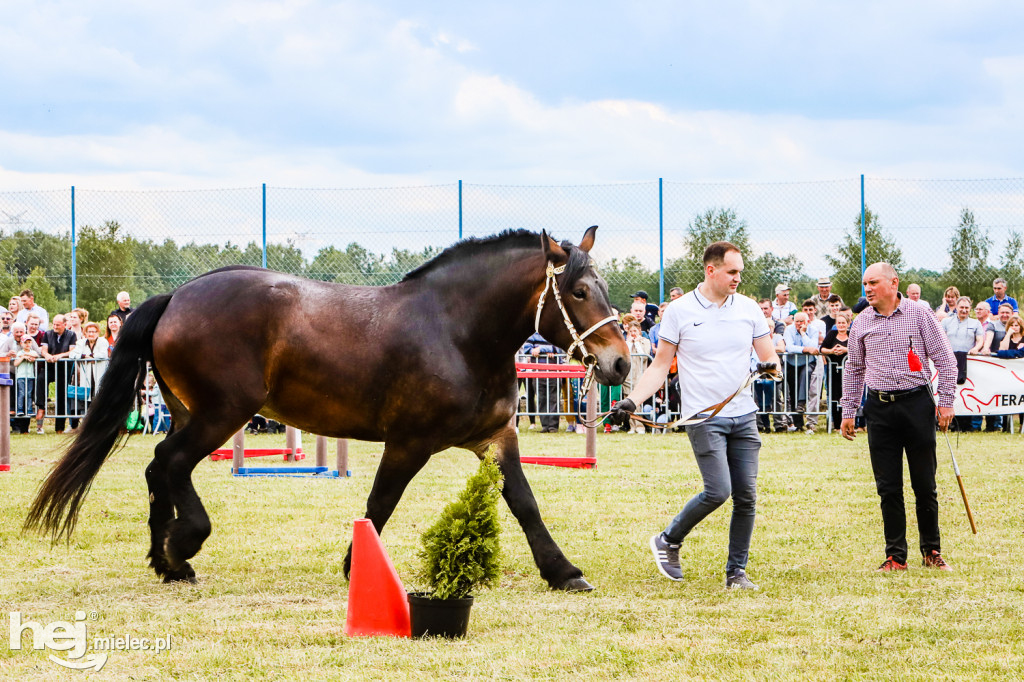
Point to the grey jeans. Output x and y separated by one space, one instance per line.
726 449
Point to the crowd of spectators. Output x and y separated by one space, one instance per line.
812 338
69 353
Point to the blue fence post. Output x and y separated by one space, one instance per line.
863 237
74 255
460 210
661 240
264 224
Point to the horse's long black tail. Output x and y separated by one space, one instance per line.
56 506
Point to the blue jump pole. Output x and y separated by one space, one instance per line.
460 210
264 224
661 240
74 253
863 236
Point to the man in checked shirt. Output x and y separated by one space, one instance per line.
899 409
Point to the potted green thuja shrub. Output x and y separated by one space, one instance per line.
460 552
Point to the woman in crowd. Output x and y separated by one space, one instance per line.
74 323
113 328
1014 340
14 305
83 315
1014 334
948 305
93 353
834 348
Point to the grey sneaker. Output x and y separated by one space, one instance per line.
666 557
738 580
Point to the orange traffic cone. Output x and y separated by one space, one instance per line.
377 602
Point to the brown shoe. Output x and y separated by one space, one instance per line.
890 565
934 560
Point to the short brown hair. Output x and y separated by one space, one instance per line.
809 303
27 292
715 253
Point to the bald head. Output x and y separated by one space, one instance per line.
881 287
881 269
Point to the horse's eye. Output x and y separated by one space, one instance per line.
580 294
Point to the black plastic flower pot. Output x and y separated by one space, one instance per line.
438 617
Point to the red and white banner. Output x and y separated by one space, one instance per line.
993 386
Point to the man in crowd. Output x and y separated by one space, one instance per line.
55 348
782 308
914 294
674 293
995 330
650 310
653 333
816 330
6 319
835 304
29 307
767 394
639 310
821 299
966 337
801 347
546 400
999 296
124 306
776 326
982 311
899 409
965 334
710 332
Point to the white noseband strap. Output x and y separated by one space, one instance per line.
589 359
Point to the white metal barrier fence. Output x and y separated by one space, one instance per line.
807 397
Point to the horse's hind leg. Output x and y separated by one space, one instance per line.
161 512
178 455
554 567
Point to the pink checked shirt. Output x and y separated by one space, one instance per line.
878 354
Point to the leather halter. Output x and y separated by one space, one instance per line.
589 359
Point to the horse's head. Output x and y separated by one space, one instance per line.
583 296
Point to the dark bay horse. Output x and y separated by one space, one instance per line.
422 365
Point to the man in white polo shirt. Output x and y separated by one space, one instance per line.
711 331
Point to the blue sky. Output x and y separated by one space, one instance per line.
348 94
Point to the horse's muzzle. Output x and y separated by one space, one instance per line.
612 368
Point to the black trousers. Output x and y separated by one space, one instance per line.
894 428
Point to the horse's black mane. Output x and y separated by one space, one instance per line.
468 248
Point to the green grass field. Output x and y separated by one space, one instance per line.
271 597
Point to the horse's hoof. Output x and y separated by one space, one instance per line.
184 575
577 585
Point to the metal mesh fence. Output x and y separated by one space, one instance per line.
941 233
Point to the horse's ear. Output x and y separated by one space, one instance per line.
552 251
588 239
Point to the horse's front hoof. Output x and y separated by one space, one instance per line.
576 585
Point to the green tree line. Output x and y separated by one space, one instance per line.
110 260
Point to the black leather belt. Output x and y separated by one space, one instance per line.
893 396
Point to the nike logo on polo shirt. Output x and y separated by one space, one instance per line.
697 324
